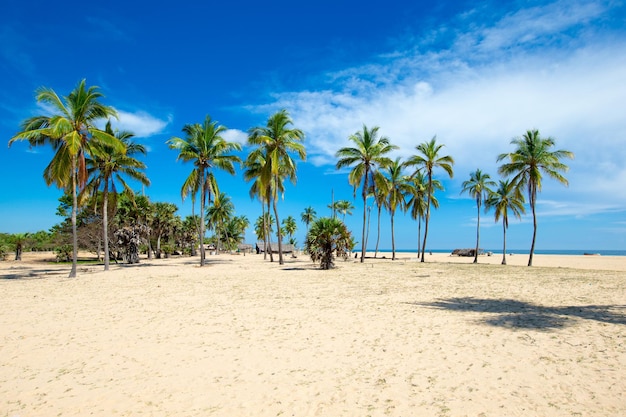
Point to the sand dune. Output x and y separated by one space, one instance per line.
243 337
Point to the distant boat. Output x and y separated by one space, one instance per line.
591 254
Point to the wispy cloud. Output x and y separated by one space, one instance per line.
12 51
550 67
107 29
142 124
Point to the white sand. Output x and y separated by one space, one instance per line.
244 337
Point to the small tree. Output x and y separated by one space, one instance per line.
326 239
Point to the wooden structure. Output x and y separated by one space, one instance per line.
287 247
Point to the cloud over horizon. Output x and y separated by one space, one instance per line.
540 67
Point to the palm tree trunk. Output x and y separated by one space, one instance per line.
532 246
105 226
477 232
393 241
430 191
419 234
278 233
504 241
202 218
378 233
364 216
369 217
269 236
74 231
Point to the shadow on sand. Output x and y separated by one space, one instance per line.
518 314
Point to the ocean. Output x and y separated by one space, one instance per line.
603 252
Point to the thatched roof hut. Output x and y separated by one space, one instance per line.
287 247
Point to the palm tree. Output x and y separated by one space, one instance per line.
207 149
105 167
19 240
219 214
275 142
368 154
308 216
255 163
70 132
163 221
428 161
417 187
379 191
395 196
478 187
326 238
344 207
533 157
506 197
290 225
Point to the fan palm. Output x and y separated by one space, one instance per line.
428 160
326 238
207 149
533 157
70 131
478 187
367 155
506 197
276 142
106 166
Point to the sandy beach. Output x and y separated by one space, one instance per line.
246 337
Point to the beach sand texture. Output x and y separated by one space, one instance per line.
245 337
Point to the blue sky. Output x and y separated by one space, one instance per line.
476 74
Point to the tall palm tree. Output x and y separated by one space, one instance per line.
417 186
276 141
428 160
379 191
506 197
70 131
533 157
255 164
219 214
367 155
308 216
396 190
105 167
207 149
478 187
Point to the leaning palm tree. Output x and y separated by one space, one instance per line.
396 192
428 161
70 131
506 197
478 187
308 216
276 142
105 167
533 157
207 149
367 155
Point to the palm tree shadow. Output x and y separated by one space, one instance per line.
523 315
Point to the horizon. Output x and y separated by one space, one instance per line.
475 75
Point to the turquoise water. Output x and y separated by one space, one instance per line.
603 252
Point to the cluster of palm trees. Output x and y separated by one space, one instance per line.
383 178
91 164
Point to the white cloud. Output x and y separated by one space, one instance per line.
140 123
235 135
544 68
